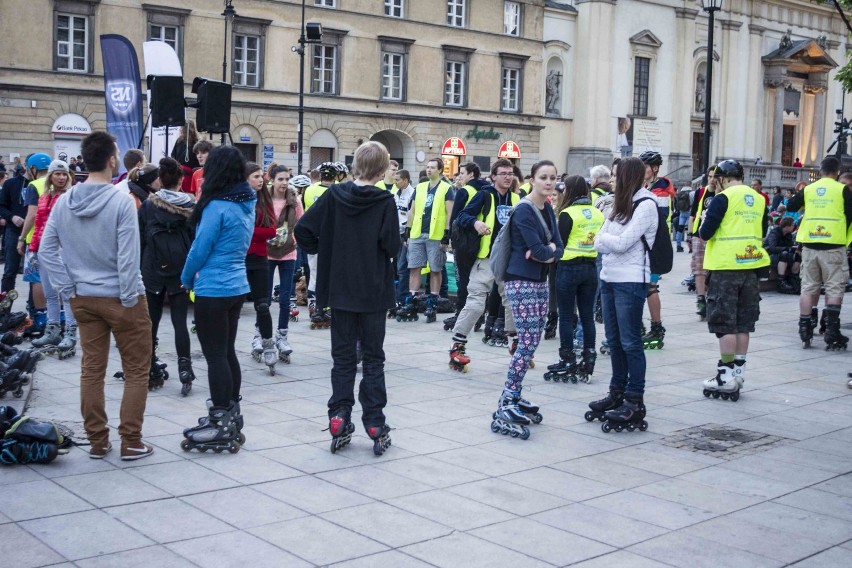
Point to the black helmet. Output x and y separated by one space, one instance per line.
730 169
327 170
651 158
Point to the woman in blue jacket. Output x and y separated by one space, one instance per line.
215 270
535 245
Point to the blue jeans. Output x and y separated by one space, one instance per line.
402 273
623 304
285 269
575 286
682 222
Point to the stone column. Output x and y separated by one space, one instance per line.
776 78
817 86
754 142
731 131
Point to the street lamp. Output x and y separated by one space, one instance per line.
230 13
312 33
711 7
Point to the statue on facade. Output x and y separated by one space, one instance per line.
786 40
700 92
552 89
822 41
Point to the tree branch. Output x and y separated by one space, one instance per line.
843 15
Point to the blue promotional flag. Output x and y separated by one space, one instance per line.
122 92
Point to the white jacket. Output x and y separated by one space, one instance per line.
624 257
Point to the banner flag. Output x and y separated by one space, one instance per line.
122 91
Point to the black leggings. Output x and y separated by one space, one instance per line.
178 307
257 271
216 321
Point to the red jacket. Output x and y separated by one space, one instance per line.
261 235
45 205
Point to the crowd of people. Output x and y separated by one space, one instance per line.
205 228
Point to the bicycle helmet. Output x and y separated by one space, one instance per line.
341 168
327 170
300 181
651 158
730 169
38 161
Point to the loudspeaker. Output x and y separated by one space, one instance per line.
214 105
167 102
313 32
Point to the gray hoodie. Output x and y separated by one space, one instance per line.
90 245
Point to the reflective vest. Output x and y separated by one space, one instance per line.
596 193
526 188
471 191
39 185
586 221
491 221
824 221
312 193
697 222
382 185
438 220
738 242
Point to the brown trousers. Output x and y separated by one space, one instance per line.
96 318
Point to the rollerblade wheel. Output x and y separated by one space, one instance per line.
619 427
12 295
725 396
185 445
495 427
532 364
525 435
547 377
537 418
717 394
606 427
589 416
707 393
241 438
630 427
234 447
735 396
643 426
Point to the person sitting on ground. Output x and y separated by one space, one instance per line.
784 255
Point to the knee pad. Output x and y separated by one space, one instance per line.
786 256
261 307
653 288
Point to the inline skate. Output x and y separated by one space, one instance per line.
604 348
68 346
37 326
551 325
725 385
186 375
294 311
586 367
629 416
321 319
11 380
341 429
237 417
458 359
488 330
477 327
701 307
431 312
565 369
395 310
689 282
157 375
822 321
270 355
529 409
217 431
283 345
381 438
450 322
598 408
407 311
654 338
51 337
509 418
834 340
806 330
257 345
499 338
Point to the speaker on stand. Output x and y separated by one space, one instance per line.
167 102
213 106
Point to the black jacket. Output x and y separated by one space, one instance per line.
777 242
157 213
354 230
12 199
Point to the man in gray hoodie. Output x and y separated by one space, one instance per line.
90 251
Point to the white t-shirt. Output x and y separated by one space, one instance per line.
403 199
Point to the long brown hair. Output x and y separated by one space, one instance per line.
188 134
264 211
290 197
628 178
575 188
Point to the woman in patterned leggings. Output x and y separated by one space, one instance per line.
535 245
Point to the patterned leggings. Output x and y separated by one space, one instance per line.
529 308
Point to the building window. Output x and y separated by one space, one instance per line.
512 18
393 8
326 3
511 90
166 34
166 24
324 70
454 91
72 43
246 61
641 83
456 13
393 70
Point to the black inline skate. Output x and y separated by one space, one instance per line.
689 282
477 327
450 322
341 428
565 369
822 321
701 307
654 338
551 325
599 407
604 348
431 311
157 375
321 319
834 340
806 330
381 438
217 431
629 416
499 337
529 409
509 418
185 374
394 310
12 381
586 367
408 310
488 330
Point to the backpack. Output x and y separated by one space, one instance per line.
170 242
501 247
466 240
661 255
683 203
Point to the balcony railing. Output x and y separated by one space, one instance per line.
783 176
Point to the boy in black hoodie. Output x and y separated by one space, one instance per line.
354 231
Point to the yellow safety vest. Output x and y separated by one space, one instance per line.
438 220
596 193
526 187
382 185
491 221
471 191
697 222
312 193
824 221
586 222
39 185
738 242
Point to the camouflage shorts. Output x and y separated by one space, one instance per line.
733 301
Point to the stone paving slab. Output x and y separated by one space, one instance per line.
449 492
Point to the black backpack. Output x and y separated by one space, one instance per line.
661 255
466 241
683 204
170 242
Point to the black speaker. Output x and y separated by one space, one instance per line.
214 105
167 102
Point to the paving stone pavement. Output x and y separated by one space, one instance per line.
449 492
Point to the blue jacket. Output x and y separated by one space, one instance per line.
528 235
216 264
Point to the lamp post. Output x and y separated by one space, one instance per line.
711 7
312 33
229 14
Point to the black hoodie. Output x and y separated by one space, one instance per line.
354 230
